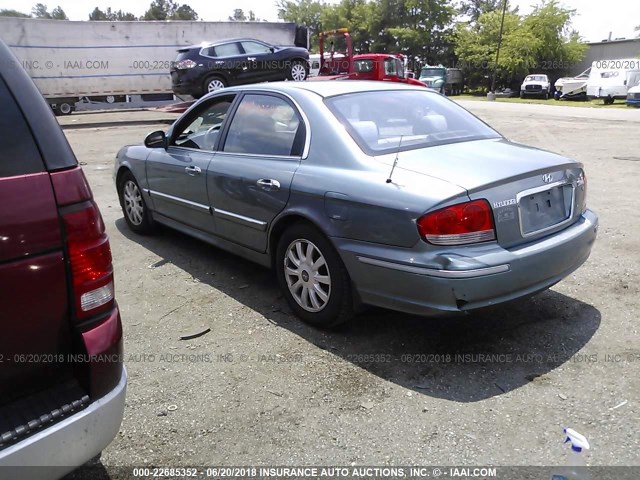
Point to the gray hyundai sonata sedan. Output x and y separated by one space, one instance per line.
363 193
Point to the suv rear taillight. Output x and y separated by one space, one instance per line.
469 222
90 259
185 64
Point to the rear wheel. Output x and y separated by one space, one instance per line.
213 83
313 277
135 210
298 72
65 108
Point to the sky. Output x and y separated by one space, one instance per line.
593 21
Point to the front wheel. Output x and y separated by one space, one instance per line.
135 210
313 277
297 72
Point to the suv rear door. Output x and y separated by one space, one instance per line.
34 308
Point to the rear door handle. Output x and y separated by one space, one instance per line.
251 59
193 170
268 184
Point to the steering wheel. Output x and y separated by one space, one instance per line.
209 139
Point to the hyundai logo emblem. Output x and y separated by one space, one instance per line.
547 178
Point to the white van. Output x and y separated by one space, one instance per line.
608 79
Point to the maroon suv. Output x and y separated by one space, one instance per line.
62 381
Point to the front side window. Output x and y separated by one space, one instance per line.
227 50
265 125
202 130
255 47
383 121
390 67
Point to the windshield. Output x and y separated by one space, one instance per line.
432 72
536 78
383 121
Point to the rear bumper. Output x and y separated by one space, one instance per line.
59 449
468 278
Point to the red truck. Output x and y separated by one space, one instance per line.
366 66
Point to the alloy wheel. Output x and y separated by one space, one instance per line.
307 275
133 202
298 72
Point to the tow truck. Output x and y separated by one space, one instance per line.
366 66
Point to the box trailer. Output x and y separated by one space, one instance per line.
70 60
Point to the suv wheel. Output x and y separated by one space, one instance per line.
211 84
313 277
133 205
297 72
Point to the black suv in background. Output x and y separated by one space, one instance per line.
62 382
200 69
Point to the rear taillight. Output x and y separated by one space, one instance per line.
185 64
469 222
90 259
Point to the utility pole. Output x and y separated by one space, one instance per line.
495 69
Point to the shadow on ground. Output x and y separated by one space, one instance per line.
465 359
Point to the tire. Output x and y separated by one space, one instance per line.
298 71
135 210
293 268
546 96
213 83
65 108
521 95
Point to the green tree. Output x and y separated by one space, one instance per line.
238 16
184 12
420 29
358 16
169 10
559 47
40 10
474 8
476 46
6 12
304 12
109 15
541 42
58 14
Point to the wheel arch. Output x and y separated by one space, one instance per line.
282 223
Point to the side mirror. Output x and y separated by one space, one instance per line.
156 139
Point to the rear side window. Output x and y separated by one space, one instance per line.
19 154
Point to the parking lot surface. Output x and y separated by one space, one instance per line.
493 388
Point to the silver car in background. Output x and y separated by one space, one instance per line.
363 193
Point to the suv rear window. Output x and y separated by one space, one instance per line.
19 154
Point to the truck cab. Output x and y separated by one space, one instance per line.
381 67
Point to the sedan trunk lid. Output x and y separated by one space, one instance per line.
532 192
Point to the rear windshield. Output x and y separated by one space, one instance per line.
432 72
387 120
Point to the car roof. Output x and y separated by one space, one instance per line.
329 88
222 41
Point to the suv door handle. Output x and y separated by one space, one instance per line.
268 184
251 59
193 170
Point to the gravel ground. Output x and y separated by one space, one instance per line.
391 389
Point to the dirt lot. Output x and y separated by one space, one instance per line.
262 388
